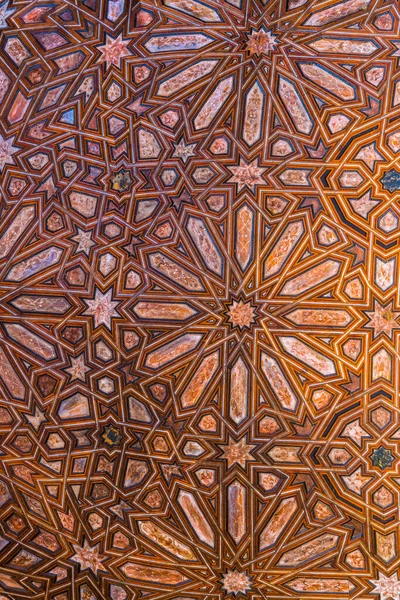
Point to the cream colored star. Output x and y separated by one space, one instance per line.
6 152
261 42
383 319
246 174
78 368
241 314
102 308
236 582
84 241
114 50
387 587
88 557
237 452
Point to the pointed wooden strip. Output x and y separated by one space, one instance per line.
200 380
309 551
283 247
244 235
175 272
214 103
154 574
165 540
294 105
10 378
186 77
311 278
163 311
238 400
173 350
278 382
177 42
236 495
35 264
205 244
308 355
328 80
253 114
344 46
337 11
54 305
319 585
196 517
194 8
15 229
321 317
278 522
30 341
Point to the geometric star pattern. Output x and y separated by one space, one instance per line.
199 299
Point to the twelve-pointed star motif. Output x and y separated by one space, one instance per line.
261 42
241 314
236 582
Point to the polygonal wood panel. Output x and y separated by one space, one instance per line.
199 332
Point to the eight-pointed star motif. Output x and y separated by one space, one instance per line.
247 174
114 50
237 452
88 557
387 587
102 308
383 319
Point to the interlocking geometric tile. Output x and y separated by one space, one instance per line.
199 299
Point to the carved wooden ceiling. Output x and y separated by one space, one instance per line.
199 299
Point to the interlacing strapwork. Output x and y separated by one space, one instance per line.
199 299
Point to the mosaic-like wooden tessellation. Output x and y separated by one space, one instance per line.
199 299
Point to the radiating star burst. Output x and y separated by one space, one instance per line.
236 582
241 314
261 42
